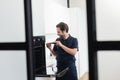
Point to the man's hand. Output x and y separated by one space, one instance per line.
48 45
58 43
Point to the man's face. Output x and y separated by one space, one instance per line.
59 32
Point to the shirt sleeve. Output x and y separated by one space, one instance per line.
55 47
75 44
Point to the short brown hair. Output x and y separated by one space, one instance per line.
63 26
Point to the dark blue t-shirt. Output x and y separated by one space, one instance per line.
63 56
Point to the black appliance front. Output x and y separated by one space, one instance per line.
39 55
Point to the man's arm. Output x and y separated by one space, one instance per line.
51 50
71 51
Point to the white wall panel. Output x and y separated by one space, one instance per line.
55 11
13 65
12 23
108 20
108 65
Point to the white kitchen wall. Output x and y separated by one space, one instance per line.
47 13
38 17
80 23
55 11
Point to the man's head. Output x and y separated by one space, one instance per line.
62 29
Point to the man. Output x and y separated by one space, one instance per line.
65 49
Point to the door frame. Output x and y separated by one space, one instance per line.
93 44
